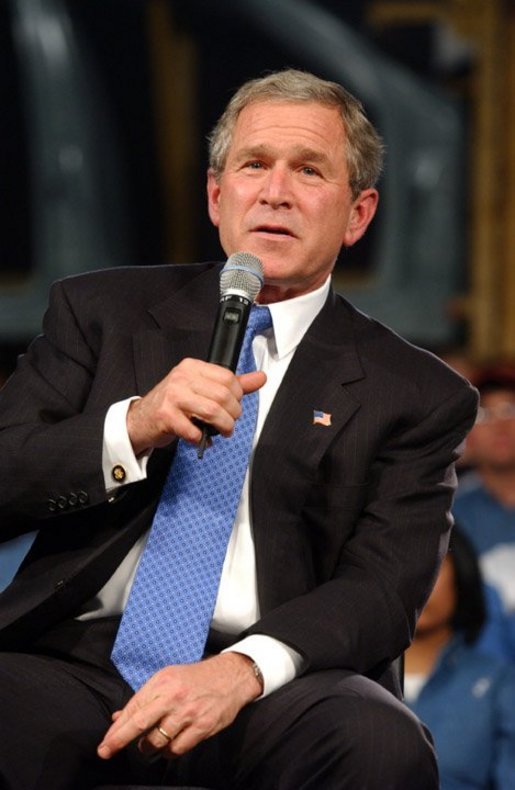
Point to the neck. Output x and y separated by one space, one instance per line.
423 653
500 483
270 294
273 292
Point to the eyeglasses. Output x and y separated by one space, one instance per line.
502 411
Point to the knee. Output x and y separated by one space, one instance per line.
335 730
377 744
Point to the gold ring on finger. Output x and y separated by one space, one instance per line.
164 733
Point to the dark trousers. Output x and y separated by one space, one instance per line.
328 730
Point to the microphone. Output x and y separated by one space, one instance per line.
241 280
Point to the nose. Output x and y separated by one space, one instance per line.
276 188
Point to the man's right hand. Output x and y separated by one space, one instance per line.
193 390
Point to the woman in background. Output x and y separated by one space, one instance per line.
466 697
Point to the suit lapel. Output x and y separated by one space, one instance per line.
291 447
180 326
325 361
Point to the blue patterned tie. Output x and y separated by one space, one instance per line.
170 607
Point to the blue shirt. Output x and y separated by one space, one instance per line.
497 636
490 526
486 522
468 703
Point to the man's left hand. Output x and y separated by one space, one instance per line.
180 706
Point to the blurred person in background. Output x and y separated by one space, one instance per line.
485 502
465 697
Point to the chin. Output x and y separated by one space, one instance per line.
278 266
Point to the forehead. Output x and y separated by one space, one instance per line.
307 123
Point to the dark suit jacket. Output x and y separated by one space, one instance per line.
350 520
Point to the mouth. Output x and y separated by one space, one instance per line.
274 230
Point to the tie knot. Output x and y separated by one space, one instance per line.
260 319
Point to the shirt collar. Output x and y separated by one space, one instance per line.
292 317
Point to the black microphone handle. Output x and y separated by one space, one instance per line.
229 330
226 342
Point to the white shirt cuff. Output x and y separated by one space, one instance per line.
278 663
119 464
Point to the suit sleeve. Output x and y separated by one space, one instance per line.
365 613
47 431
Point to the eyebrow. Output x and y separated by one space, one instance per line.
300 153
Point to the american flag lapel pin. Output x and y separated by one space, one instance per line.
321 418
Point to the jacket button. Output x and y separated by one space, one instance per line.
52 505
83 497
62 503
72 499
60 585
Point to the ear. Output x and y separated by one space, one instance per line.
213 197
361 215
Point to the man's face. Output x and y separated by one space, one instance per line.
492 440
284 194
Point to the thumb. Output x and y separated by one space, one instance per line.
250 382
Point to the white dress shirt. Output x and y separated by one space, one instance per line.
237 605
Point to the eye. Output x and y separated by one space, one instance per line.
254 165
307 170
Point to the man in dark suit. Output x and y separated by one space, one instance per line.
343 518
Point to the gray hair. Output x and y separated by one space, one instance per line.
364 147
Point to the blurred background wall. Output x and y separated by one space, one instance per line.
105 106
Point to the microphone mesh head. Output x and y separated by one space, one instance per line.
242 275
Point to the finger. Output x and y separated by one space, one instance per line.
208 400
187 738
180 420
134 721
216 402
157 739
191 373
250 382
